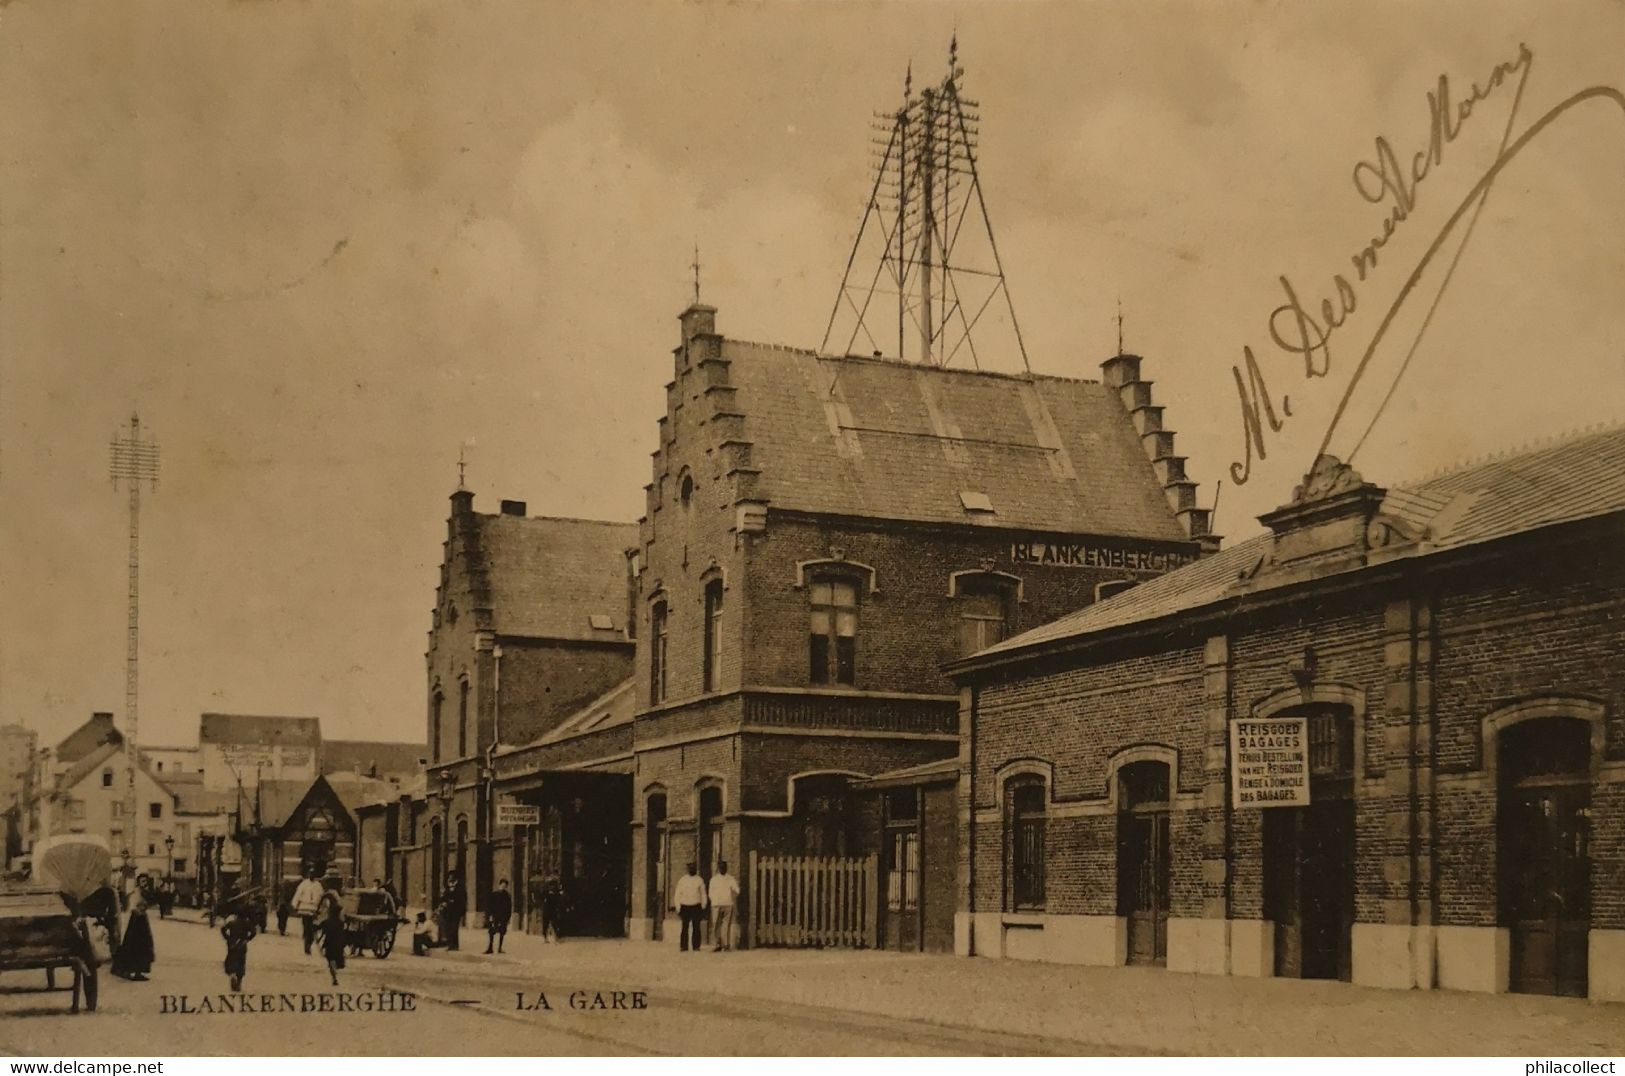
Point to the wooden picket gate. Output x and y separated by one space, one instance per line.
814 901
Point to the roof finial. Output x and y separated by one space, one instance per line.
696 267
462 466
1119 324
908 83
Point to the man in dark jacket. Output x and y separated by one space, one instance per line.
455 906
498 910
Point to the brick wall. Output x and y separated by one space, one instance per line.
1428 655
543 683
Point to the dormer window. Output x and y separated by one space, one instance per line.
976 502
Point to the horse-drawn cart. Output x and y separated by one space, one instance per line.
370 921
39 932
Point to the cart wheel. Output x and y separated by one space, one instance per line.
383 944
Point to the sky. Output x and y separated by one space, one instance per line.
323 248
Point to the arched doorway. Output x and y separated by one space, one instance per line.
821 814
1309 855
460 864
1544 851
437 862
656 854
1143 860
710 819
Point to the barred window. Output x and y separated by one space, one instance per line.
1024 798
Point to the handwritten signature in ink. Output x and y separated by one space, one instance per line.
1295 329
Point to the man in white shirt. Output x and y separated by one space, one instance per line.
689 900
724 893
306 898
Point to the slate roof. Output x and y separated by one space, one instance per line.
1562 482
199 800
360 756
93 762
613 707
277 800
261 730
88 737
943 769
549 577
354 791
893 440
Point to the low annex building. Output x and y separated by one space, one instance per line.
1384 742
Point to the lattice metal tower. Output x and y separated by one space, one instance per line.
913 243
135 461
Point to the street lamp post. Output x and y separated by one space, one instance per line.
448 789
169 854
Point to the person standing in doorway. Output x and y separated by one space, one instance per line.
498 910
306 899
456 907
689 900
724 895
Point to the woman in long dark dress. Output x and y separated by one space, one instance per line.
135 955
331 916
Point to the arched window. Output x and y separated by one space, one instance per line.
437 702
462 718
1025 807
685 489
984 605
833 634
657 653
713 635
460 864
710 829
821 815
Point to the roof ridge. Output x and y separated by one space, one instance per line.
558 519
1543 443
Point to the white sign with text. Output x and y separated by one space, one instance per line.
1269 762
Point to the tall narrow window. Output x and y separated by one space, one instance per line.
1024 799
984 613
713 634
834 633
657 653
437 703
462 719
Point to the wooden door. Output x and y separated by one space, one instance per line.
1546 870
657 852
1143 877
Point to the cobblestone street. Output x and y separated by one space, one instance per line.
774 1002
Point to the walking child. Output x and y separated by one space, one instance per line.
238 930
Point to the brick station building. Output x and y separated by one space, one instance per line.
530 626
1453 649
822 534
